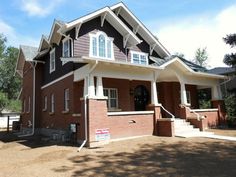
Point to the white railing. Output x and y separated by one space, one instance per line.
172 116
191 111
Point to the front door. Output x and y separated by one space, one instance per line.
141 97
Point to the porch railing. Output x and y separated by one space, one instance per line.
192 111
172 116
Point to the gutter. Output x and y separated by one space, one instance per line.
85 109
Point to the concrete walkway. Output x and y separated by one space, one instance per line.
230 138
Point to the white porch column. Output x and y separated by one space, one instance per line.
91 88
183 94
215 93
99 91
154 98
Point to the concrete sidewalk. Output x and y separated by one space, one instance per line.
213 136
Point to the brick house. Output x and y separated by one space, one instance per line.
106 76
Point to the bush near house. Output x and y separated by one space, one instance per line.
230 103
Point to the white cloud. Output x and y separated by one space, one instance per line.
187 34
39 8
14 38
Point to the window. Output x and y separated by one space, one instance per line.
111 93
45 103
52 60
66 49
52 103
28 104
188 97
66 99
139 58
101 46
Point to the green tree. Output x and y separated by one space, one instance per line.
9 83
3 101
201 57
230 59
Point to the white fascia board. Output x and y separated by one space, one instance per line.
43 38
110 15
52 30
141 25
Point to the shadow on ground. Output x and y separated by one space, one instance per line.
35 141
207 158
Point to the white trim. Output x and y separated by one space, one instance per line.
141 25
205 110
43 38
77 29
66 99
52 30
50 67
166 119
139 53
59 79
129 113
109 98
91 36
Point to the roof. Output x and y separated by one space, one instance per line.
29 52
222 70
193 66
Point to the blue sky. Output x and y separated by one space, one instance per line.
181 25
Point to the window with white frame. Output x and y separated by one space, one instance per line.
66 99
111 93
52 61
139 58
52 103
101 46
45 103
188 95
29 104
66 49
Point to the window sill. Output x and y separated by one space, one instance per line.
114 110
44 110
65 112
51 113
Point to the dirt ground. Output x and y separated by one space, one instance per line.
146 156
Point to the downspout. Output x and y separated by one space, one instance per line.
33 110
85 110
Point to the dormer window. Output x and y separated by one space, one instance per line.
101 46
66 48
52 60
139 58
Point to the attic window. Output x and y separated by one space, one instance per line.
139 58
66 48
101 46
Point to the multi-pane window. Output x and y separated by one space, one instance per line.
101 46
29 104
66 99
66 49
111 93
52 103
139 58
52 61
45 103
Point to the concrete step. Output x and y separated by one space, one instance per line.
194 134
195 130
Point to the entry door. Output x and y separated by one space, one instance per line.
141 97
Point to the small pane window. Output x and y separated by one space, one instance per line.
45 103
108 48
111 93
52 103
52 60
139 58
66 100
102 46
94 46
188 97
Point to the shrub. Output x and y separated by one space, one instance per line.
230 104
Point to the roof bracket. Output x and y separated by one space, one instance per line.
103 17
77 28
117 12
135 29
152 47
125 39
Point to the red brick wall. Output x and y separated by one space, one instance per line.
119 126
60 120
165 128
27 86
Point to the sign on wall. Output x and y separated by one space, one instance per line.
102 134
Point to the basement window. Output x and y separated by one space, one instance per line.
52 103
66 99
45 103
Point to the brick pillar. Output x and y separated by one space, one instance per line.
219 104
157 115
183 112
